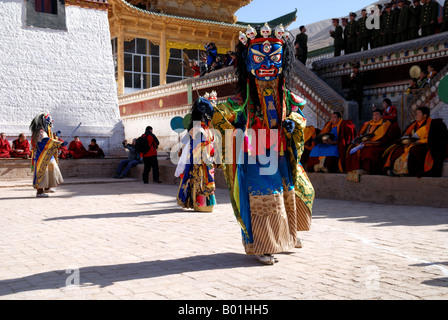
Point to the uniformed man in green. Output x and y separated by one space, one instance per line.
387 26
395 12
344 26
375 41
362 32
351 34
445 17
428 17
402 22
414 20
337 34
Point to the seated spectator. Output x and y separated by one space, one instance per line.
5 147
203 66
230 59
375 136
413 86
423 80
195 67
77 149
389 111
421 150
133 159
95 150
21 147
431 73
216 65
63 152
329 154
310 134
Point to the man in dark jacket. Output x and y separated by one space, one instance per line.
302 41
351 34
428 17
445 17
338 38
402 22
150 158
133 159
375 40
356 87
344 25
414 20
363 32
387 26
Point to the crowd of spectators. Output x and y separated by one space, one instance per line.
398 21
379 147
21 148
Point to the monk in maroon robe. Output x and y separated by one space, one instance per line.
21 147
95 150
5 147
423 157
77 149
63 152
345 133
374 138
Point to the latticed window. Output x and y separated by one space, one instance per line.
141 65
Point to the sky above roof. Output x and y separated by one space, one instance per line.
307 11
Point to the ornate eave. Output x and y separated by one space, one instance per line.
285 20
139 22
217 10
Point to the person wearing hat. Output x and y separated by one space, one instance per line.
402 22
351 34
414 20
387 26
395 12
375 39
428 17
444 17
337 34
345 32
363 32
356 91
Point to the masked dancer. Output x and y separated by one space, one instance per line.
196 165
45 152
263 140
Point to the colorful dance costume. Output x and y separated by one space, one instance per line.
270 192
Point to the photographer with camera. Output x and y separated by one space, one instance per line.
133 159
212 53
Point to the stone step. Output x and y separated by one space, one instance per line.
20 169
375 189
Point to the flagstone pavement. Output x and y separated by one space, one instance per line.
131 241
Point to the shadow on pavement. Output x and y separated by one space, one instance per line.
379 215
104 276
119 214
441 282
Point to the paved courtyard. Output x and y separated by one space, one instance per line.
131 241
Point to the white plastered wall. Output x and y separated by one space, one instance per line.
68 73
